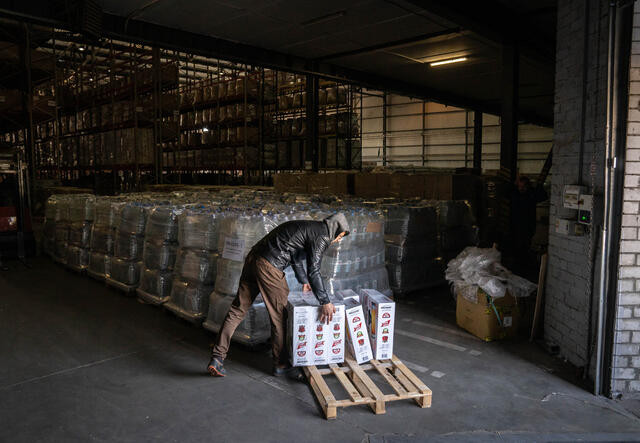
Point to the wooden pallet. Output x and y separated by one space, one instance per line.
362 390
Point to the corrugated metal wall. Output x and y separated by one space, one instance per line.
429 134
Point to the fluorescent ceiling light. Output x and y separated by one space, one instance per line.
448 61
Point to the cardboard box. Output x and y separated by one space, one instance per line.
407 185
340 182
372 185
311 342
357 337
380 313
481 320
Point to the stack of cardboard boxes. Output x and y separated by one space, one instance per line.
368 318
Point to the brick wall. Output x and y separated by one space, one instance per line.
569 286
626 359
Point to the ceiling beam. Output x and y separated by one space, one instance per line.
393 44
493 21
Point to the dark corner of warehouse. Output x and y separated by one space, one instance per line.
396 221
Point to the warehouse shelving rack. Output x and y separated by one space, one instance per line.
100 98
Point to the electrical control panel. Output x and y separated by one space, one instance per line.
571 195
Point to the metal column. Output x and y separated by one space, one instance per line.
477 142
312 87
509 112
384 128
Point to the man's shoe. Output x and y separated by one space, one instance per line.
216 368
289 372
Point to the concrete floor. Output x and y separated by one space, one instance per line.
80 362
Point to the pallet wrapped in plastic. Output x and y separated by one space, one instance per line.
49 237
454 239
455 213
60 251
155 285
102 239
411 251
342 262
160 256
239 232
125 271
162 224
228 276
358 260
107 211
62 232
128 246
77 258
198 228
133 218
196 266
415 275
376 278
254 329
82 207
80 234
189 300
410 222
99 264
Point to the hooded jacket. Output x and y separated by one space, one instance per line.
294 241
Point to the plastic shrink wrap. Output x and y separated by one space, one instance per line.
129 243
159 253
480 267
357 261
196 263
254 329
99 263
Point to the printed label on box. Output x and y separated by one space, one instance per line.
233 249
358 340
380 316
312 342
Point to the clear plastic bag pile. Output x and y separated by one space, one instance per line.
481 268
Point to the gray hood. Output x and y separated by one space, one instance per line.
337 223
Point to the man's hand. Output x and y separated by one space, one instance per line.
306 287
326 313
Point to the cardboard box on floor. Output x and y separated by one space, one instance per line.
480 318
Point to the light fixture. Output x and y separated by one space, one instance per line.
448 61
205 129
81 48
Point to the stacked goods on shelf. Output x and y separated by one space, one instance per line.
310 342
159 255
81 214
411 245
239 232
357 261
128 247
456 226
103 233
196 261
